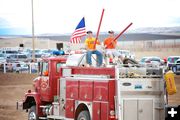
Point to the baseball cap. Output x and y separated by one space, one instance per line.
89 32
111 31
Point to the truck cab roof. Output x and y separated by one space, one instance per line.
55 58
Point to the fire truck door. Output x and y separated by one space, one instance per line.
70 108
100 110
101 89
72 89
130 110
104 110
62 95
145 109
96 111
138 109
44 82
86 90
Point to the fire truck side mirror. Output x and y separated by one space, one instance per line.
45 73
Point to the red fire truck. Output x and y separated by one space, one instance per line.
65 91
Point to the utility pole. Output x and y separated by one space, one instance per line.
33 37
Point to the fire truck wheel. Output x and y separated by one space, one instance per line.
32 114
84 115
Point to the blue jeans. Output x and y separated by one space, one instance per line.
98 55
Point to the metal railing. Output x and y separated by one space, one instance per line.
139 72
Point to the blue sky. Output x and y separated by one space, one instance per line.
62 16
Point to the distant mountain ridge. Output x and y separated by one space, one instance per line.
124 37
156 30
149 33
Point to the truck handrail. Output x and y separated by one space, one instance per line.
139 72
90 76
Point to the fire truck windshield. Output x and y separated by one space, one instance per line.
58 66
44 70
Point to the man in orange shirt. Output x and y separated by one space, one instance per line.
90 43
110 46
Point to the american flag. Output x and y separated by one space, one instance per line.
79 32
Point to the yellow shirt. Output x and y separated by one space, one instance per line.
89 42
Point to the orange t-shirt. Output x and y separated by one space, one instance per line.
109 43
89 42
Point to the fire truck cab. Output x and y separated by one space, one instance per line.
91 93
44 86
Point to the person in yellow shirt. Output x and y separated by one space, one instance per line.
91 49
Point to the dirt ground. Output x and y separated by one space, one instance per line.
13 86
175 99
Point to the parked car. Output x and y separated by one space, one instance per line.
26 52
17 57
20 67
9 52
142 61
127 54
2 58
176 67
178 61
151 60
34 67
171 60
46 52
37 56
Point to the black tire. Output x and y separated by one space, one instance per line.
83 115
32 114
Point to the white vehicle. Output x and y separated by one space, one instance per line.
17 57
171 60
20 67
178 61
46 52
152 60
9 52
2 58
176 67
127 54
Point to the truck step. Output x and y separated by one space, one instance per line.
59 117
43 118
42 106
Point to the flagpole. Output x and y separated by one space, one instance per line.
97 34
33 37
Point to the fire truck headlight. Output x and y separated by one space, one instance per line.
47 111
44 111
